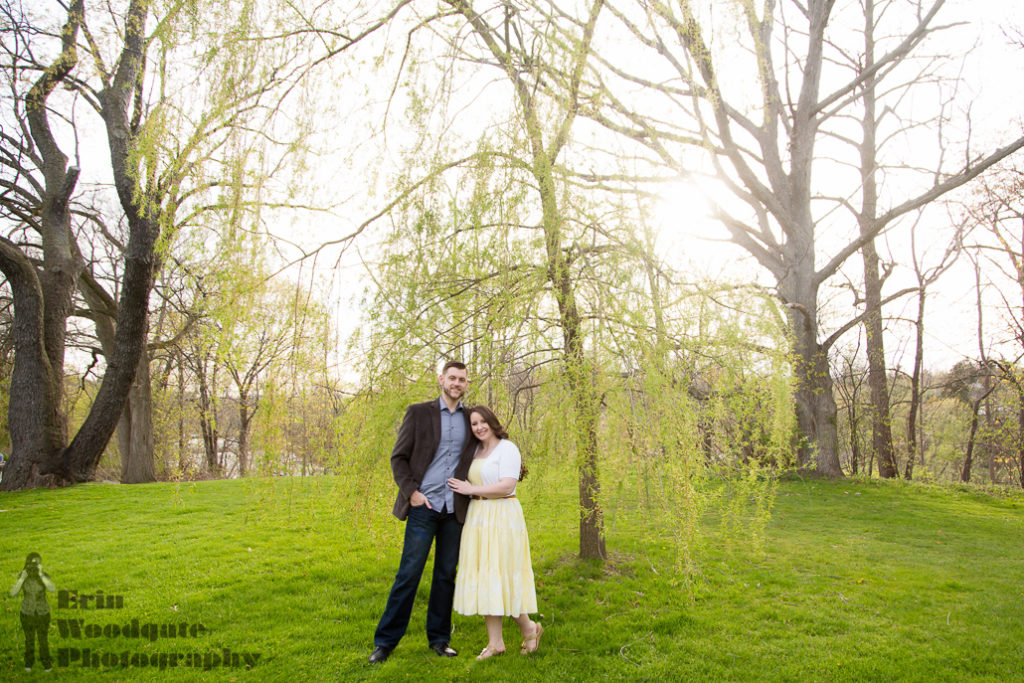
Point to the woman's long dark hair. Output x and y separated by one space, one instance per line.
492 421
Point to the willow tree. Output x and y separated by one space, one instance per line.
509 47
757 98
498 270
550 289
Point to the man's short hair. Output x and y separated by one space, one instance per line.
452 364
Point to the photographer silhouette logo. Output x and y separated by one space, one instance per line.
33 584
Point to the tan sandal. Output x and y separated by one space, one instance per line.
488 652
535 639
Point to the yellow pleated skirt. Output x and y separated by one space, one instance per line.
495 574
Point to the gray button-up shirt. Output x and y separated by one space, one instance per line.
435 480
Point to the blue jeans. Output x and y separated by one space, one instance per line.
422 528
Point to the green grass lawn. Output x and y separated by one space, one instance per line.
858 581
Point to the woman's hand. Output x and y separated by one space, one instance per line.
460 486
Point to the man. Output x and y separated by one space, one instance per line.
434 444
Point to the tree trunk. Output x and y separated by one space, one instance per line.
965 472
35 423
42 300
243 435
142 213
184 454
878 383
816 410
207 418
58 281
135 425
915 388
84 452
592 543
990 446
854 444
1020 437
585 402
139 466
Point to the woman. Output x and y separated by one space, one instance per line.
495 576
33 582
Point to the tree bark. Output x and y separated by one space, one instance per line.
34 418
965 471
816 409
244 420
184 454
208 416
854 447
915 387
82 455
138 464
878 383
135 425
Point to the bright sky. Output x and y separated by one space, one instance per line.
351 155
990 73
698 244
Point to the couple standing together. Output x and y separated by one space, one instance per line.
457 472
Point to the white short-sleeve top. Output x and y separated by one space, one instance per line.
504 461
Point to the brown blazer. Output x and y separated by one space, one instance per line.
415 448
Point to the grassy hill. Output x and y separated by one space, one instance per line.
857 581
